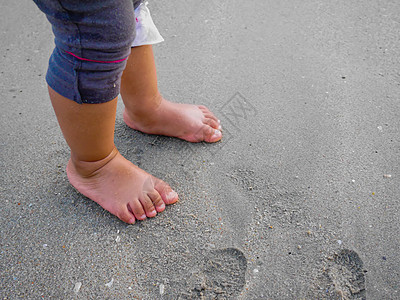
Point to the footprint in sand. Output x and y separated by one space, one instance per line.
221 276
347 276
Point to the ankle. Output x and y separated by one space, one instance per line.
89 168
147 106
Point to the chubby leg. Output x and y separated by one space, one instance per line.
147 111
96 168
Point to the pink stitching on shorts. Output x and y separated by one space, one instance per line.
99 61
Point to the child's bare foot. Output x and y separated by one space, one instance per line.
121 187
193 123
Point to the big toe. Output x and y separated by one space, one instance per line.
211 135
168 195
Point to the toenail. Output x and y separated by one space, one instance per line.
217 134
143 217
171 195
132 221
161 206
219 127
219 122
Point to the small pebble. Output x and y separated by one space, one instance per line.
210 246
387 176
117 239
339 242
255 271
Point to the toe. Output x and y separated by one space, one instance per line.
212 123
148 206
205 110
137 209
168 195
211 135
157 200
126 216
211 116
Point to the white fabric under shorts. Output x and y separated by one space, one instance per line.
146 32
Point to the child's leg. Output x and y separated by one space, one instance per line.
147 111
86 66
98 171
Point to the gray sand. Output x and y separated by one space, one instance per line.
300 200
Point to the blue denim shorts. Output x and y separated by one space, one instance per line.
92 43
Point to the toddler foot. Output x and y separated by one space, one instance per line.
121 187
193 123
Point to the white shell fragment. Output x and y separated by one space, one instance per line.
109 284
162 288
77 287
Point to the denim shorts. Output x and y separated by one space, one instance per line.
92 43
